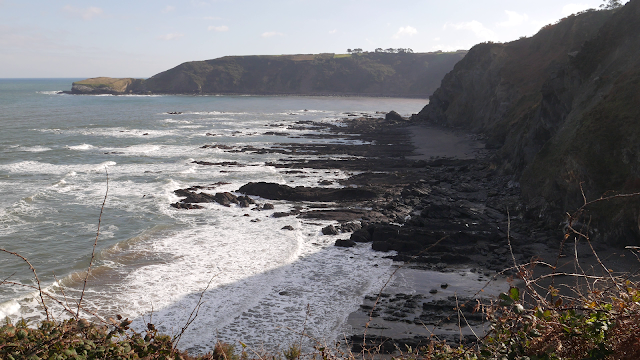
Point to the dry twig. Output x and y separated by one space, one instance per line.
95 243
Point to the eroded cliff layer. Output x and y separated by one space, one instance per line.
563 108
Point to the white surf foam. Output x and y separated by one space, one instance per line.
54 92
35 149
81 147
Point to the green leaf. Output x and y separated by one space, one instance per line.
506 300
514 293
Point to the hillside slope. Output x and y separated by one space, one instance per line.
370 74
563 107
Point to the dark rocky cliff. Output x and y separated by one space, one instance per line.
374 74
563 108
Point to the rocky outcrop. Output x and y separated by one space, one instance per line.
274 191
222 198
106 85
372 74
563 108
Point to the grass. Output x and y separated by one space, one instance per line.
117 84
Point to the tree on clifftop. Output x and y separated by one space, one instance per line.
611 4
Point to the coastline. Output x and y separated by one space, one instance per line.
440 212
275 94
437 206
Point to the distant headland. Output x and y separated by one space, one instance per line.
380 73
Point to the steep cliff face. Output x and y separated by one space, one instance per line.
380 74
563 107
597 142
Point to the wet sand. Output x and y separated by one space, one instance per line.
432 142
461 284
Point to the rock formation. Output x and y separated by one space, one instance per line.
106 85
370 74
563 108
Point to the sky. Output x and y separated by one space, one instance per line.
140 38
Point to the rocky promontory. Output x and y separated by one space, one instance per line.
106 85
562 110
361 74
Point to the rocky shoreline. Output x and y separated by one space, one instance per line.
430 214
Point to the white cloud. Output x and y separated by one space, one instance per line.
171 36
478 29
405 31
221 28
212 18
269 34
514 19
86 13
168 9
333 31
574 8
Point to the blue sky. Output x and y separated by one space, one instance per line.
139 38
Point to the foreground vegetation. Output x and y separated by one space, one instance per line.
603 323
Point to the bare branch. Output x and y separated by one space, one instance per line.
95 243
193 315
39 288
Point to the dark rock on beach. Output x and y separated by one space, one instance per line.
275 191
345 243
186 206
330 230
393 116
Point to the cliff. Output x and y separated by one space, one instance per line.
106 85
369 74
562 107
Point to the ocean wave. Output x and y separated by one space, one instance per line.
80 147
54 92
35 149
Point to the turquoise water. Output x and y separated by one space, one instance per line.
55 153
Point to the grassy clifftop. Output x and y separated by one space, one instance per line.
369 74
106 85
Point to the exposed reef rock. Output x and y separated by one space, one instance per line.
274 191
371 74
562 107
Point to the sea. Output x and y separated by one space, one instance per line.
236 278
